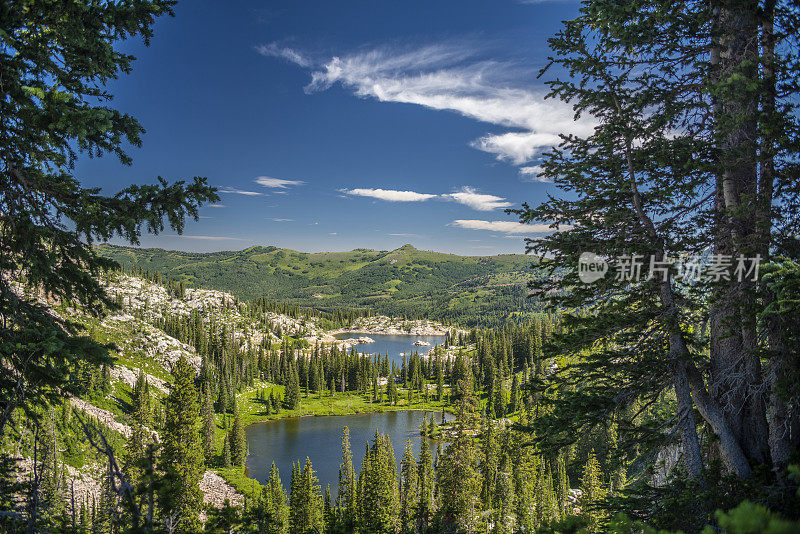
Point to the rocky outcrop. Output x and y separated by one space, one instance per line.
129 377
106 418
390 325
216 491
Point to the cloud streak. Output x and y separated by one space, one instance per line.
276 183
533 173
508 227
389 195
467 196
234 191
477 201
451 77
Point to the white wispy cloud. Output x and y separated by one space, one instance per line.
276 183
215 205
516 147
468 196
404 235
274 50
235 191
477 201
389 195
275 219
508 227
533 174
452 77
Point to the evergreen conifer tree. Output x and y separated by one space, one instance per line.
426 479
457 474
238 444
209 423
275 504
593 491
409 488
306 513
55 107
347 499
181 457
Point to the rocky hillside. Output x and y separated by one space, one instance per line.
143 348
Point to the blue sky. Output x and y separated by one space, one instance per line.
341 125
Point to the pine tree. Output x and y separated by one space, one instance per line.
562 484
379 499
306 512
291 397
50 499
504 497
238 444
227 460
136 447
426 479
593 492
439 380
181 457
50 221
141 403
209 423
275 504
682 160
347 499
391 389
526 489
489 464
457 475
409 488
515 396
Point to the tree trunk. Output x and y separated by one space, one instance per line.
736 381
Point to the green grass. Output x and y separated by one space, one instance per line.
245 485
348 403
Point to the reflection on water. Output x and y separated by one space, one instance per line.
285 441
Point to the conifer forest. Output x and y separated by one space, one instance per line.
186 354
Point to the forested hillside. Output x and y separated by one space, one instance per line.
661 398
405 281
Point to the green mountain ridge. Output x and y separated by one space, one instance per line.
404 281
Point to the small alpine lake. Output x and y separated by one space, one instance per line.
285 441
393 344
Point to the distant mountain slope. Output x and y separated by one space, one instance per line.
405 281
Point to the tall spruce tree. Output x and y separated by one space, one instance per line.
306 511
409 489
209 423
457 475
426 478
689 133
593 492
55 68
347 498
238 443
379 498
275 504
181 456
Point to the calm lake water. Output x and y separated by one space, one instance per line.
285 441
394 344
